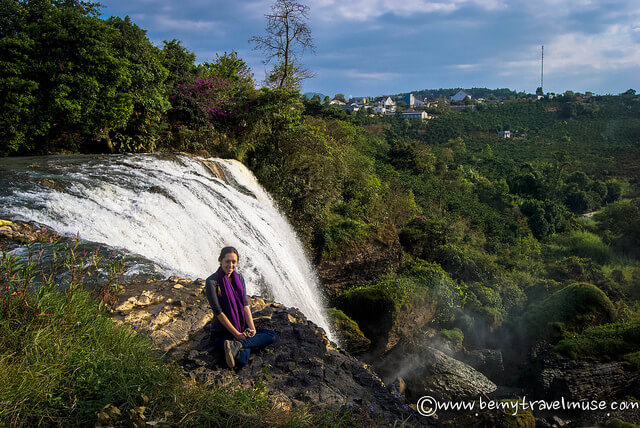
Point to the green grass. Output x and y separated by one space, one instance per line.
64 361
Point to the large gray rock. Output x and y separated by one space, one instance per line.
487 361
303 367
428 371
586 379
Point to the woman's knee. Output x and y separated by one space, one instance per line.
272 335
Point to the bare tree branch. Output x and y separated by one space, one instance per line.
287 37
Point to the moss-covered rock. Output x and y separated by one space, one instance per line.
609 340
523 418
384 313
397 306
571 309
348 331
618 423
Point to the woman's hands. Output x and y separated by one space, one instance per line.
251 328
249 331
246 333
240 336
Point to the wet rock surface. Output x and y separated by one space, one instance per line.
15 233
586 379
377 259
487 361
302 367
428 371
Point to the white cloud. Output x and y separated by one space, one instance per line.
466 67
574 59
559 10
165 22
363 10
613 49
371 76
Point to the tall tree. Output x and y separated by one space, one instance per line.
60 76
288 37
179 61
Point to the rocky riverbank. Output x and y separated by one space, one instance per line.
303 368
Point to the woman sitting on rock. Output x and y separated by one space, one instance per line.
232 329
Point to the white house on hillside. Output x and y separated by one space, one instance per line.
413 114
384 105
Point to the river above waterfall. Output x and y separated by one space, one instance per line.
172 212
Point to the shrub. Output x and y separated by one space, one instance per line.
343 237
576 269
455 336
579 202
572 308
622 221
633 359
466 264
586 245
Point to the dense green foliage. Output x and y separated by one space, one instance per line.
506 226
69 78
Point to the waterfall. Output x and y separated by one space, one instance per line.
175 210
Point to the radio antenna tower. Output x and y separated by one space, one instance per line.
542 72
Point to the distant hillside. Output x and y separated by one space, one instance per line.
501 93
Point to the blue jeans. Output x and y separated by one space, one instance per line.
263 337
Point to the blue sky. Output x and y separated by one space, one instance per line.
376 47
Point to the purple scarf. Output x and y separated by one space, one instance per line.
231 298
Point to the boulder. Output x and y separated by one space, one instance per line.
428 371
348 331
556 376
487 361
383 318
303 367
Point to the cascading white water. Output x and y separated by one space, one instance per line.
171 210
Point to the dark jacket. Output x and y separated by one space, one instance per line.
211 291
